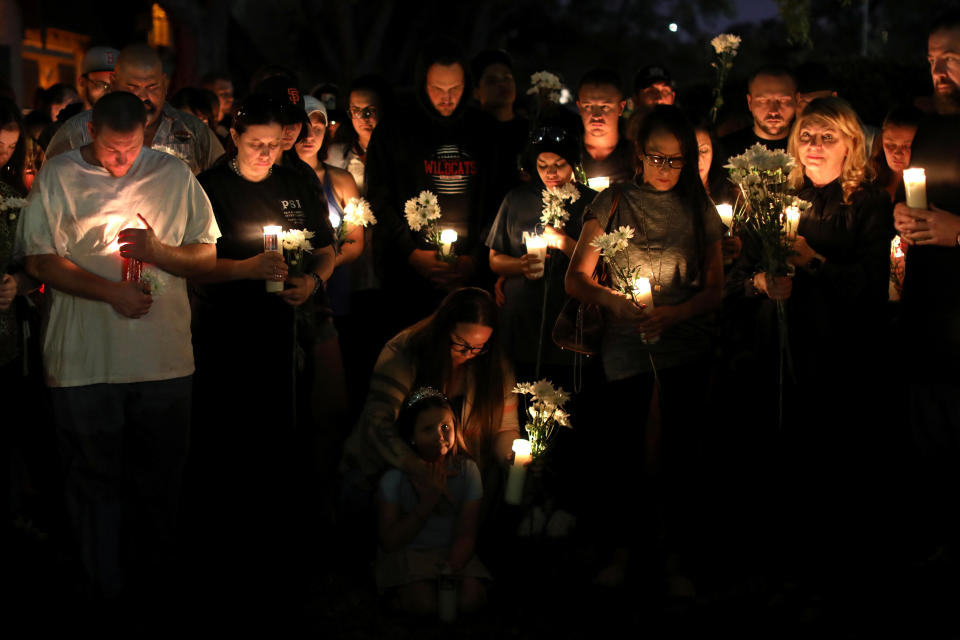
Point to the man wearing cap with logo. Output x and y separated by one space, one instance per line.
139 71
92 83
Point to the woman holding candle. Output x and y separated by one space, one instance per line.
835 311
718 186
553 152
456 350
676 241
243 458
892 155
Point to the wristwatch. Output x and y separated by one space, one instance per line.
317 283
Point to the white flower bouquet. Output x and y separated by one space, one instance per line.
762 175
546 412
152 282
611 245
9 214
547 85
423 215
295 243
356 213
554 212
725 46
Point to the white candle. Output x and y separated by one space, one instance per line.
334 219
915 184
271 242
515 477
536 245
447 238
726 215
642 294
598 184
793 219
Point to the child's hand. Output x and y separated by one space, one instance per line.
431 485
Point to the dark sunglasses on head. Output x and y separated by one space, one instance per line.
548 134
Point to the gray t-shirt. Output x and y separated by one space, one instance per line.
664 244
437 531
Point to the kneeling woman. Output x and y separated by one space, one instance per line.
676 242
457 351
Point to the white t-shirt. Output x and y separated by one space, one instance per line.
75 211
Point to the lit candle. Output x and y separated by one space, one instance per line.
537 245
515 477
895 248
334 219
447 238
726 215
271 242
598 184
642 294
793 219
915 183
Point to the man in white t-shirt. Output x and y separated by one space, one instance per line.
118 355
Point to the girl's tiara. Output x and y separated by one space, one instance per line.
424 393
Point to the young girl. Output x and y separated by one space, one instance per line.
428 523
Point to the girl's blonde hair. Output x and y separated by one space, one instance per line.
837 114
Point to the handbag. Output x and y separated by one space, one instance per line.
579 326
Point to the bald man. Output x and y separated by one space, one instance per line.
140 72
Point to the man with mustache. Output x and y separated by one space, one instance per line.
140 72
772 100
606 153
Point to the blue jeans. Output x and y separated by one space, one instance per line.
124 447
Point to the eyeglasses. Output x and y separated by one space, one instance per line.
675 162
548 134
97 84
463 347
363 114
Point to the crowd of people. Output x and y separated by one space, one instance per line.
204 386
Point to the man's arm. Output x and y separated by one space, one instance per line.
187 261
127 298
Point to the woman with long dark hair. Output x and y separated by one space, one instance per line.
13 147
456 350
676 242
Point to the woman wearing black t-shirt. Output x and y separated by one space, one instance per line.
244 344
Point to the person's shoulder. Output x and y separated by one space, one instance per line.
341 177
216 174
188 120
78 121
587 194
390 480
163 159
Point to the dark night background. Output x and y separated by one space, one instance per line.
875 48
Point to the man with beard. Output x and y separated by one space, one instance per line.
931 294
772 100
140 72
442 145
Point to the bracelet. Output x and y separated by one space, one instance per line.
317 283
753 291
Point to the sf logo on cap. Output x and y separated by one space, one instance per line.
294 95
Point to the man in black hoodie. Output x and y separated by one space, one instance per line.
438 144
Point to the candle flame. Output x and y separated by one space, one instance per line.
448 236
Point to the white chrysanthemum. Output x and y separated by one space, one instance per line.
523 387
726 43
357 213
6 204
153 281
297 240
427 199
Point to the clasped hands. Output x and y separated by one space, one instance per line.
270 265
441 274
933 226
649 322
